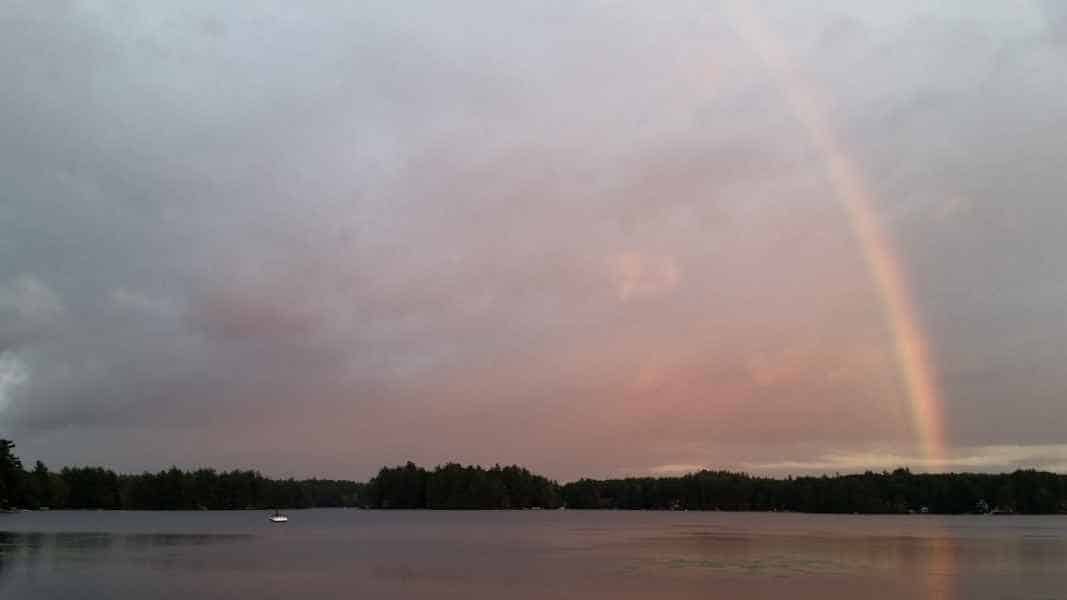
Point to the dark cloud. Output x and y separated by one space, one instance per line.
590 238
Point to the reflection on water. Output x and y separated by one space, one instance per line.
529 555
36 561
941 576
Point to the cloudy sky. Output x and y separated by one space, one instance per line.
589 237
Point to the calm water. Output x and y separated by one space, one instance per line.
532 554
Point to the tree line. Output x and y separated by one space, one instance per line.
454 486
172 489
896 492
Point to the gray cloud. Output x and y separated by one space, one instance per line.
591 238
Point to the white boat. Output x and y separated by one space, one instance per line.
277 517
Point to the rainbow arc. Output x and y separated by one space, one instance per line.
879 252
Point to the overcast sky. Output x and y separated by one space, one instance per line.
587 237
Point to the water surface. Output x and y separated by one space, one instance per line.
528 554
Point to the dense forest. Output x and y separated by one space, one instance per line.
901 491
173 489
454 486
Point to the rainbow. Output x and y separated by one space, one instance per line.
879 253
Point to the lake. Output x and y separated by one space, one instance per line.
528 554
